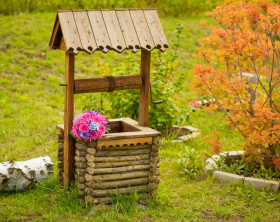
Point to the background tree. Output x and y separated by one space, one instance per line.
242 74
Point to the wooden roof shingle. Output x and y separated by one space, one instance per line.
107 29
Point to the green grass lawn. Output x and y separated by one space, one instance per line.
31 104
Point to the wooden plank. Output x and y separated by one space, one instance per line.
55 38
115 127
99 30
70 32
103 84
85 31
62 45
114 30
129 123
128 30
124 143
125 121
142 29
156 29
128 128
145 89
124 138
68 119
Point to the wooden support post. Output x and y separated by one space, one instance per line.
144 90
68 119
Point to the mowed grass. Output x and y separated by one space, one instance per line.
32 102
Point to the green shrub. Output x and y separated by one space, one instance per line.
190 164
166 85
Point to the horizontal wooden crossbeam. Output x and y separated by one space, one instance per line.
107 84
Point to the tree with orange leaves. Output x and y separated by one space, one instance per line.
241 74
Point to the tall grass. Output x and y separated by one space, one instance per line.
166 7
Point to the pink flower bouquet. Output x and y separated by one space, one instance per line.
90 125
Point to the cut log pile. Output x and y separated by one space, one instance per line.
60 156
103 172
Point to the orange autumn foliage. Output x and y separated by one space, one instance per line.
242 73
213 140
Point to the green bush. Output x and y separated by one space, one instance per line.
166 85
190 164
167 7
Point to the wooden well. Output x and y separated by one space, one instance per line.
124 161
129 154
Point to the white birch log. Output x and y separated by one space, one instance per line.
15 175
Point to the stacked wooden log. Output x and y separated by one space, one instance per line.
154 166
118 170
60 156
84 164
101 172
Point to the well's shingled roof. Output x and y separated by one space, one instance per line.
108 29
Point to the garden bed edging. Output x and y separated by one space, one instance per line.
221 176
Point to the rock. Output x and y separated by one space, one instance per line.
92 212
191 129
227 177
143 202
206 102
211 165
261 183
97 208
112 208
236 155
140 206
216 158
188 137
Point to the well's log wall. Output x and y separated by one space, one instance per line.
102 171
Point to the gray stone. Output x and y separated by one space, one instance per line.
274 185
112 208
144 202
188 137
140 206
92 212
227 177
261 183
96 208
236 155
206 102
191 129
216 158
210 165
